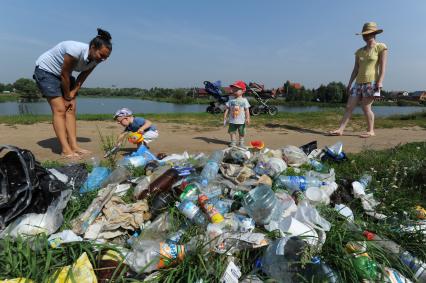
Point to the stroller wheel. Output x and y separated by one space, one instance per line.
273 110
255 110
210 109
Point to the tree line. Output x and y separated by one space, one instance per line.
333 92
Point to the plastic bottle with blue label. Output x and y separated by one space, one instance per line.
211 168
319 271
192 212
294 183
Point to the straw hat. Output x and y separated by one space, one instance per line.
369 28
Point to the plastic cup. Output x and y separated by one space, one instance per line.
314 195
294 227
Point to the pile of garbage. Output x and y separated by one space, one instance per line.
236 199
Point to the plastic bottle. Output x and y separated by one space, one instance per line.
260 204
192 212
360 185
416 265
319 271
345 211
151 255
161 184
211 168
294 183
318 166
365 267
142 185
118 175
282 258
161 202
208 207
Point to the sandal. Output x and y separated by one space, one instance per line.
367 135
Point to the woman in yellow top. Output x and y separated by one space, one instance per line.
369 72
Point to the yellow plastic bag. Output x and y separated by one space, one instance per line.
80 272
17 280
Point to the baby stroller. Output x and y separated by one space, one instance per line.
213 89
262 96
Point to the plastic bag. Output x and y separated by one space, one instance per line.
33 224
294 156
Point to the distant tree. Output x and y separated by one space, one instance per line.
26 86
2 86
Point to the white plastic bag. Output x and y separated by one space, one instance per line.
294 156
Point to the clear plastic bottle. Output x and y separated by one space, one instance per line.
319 271
135 161
294 183
282 258
192 212
260 203
318 166
150 255
211 168
118 175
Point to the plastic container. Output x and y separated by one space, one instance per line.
208 207
293 227
95 179
118 175
161 184
141 186
192 212
282 258
211 168
260 204
294 183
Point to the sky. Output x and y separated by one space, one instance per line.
183 43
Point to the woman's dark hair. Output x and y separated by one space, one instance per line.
103 38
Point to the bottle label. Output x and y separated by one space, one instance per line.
212 212
190 190
298 182
231 274
169 253
189 209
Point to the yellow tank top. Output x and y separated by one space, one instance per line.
368 62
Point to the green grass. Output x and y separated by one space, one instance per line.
327 119
399 183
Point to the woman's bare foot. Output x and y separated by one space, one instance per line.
70 156
82 151
335 133
367 135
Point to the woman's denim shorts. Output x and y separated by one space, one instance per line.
49 84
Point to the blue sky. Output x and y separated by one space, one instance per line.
182 43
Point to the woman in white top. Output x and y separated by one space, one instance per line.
53 74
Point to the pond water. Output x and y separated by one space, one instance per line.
110 105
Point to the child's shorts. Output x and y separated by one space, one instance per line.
149 136
365 90
241 128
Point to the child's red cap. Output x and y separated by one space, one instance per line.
240 84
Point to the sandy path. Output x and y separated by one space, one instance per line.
176 138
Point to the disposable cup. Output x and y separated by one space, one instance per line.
294 227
